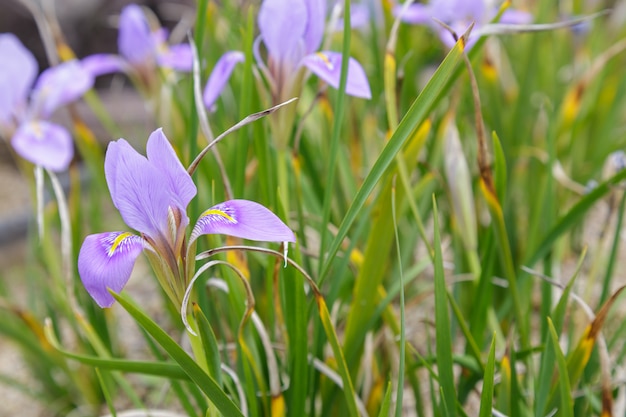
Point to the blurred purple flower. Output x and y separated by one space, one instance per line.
292 31
141 48
220 75
152 194
359 17
24 121
459 14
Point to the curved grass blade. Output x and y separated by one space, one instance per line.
207 384
163 369
209 343
415 116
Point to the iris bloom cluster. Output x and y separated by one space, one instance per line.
24 113
459 14
292 32
152 194
141 49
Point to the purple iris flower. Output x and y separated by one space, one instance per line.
459 14
23 121
141 48
152 194
220 75
292 31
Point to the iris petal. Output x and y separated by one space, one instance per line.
178 57
220 75
316 20
101 64
137 189
17 73
327 66
60 85
282 24
45 144
417 14
162 156
106 260
135 41
244 219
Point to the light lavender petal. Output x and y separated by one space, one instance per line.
516 17
244 219
18 69
106 260
135 41
327 66
162 156
220 75
359 17
316 21
45 144
416 14
282 24
137 189
177 57
60 85
102 64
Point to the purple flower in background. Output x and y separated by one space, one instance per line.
23 121
141 48
220 75
152 194
292 31
459 14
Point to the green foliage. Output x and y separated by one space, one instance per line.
360 312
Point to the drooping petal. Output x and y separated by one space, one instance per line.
162 156
327 66
60 85
316 21
220 75
106 260
282 24
244 219
45 144
138 189
102 64
177 57
135 41
18 69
